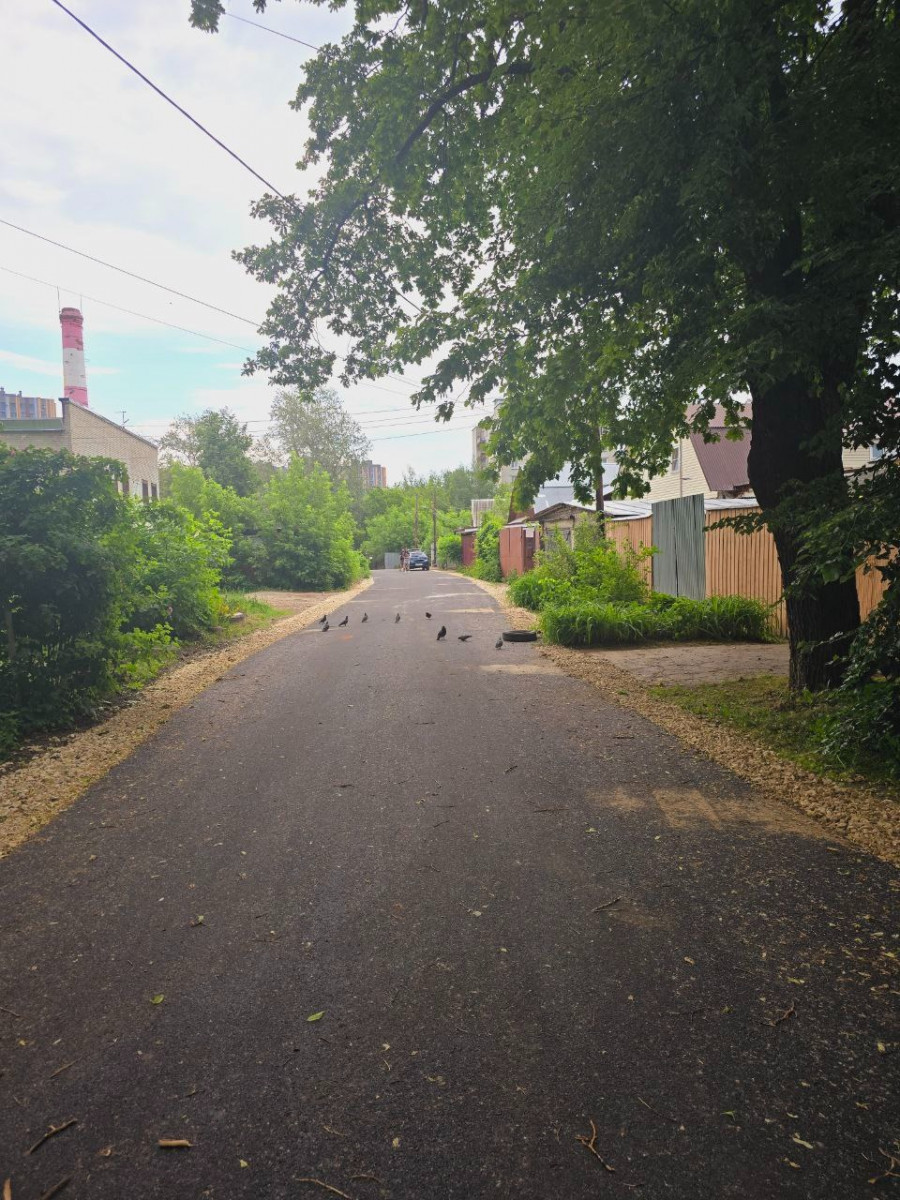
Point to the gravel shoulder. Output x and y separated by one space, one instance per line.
34 792
859 813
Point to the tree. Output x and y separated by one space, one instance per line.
609 212
317 428
217 443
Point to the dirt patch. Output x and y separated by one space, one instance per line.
32 793
700 662
857 812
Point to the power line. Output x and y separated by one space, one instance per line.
131 274
130 311
277 32
193 120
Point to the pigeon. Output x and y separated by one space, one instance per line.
442 632
464 637
322 620
397 618
365 618
325 627
498 645
428 615
345 621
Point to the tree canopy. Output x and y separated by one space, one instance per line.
218 443
608 212
317 428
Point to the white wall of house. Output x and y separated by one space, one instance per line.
684 478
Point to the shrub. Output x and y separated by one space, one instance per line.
603 623
592 569
449 550
487 549
863 726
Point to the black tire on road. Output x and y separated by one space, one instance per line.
519 635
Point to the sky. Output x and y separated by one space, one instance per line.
94 159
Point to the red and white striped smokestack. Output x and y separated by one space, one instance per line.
74 378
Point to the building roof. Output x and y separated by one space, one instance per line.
723 463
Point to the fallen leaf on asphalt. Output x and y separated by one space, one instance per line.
243 1162
174 1144
316 1016
792 980
882 1048
7 1189
396 1143
106 1152
689 960
800 1142
158 999
796 1166
197 921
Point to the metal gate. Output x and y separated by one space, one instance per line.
679 567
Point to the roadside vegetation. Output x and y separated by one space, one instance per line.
594 594
814 729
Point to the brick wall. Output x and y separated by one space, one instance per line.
90 434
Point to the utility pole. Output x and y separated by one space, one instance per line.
433 528
416 526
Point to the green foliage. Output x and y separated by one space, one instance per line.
807 728
487 548
217 443
390 519
93 587
172 565
584 622
861 724
59 585
449 550
306 532
315 427
591 569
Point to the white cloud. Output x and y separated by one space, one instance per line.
41 366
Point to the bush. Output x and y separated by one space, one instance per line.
598 623
487 549
862 726
449 550
591 570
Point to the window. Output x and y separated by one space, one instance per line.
676 457
126 486
875 453
145 490
154 492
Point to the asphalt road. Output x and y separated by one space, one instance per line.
519 908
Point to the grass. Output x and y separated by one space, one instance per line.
764 708
586 622
257 615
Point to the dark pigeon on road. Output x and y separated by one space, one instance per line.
325 627
442 632
498 645
322 620
428 615
397 618
344 622
464 637
365 618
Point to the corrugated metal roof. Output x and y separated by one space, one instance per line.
724 463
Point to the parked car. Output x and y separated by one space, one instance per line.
419 560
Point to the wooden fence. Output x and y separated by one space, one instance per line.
739 564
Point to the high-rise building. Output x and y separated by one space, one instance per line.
373 474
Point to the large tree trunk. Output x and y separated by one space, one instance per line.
797 442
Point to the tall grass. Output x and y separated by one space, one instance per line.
597 623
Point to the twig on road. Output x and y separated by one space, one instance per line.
18 1016
608 904
788 1012
327 1186
890 1173
665 1116
56 1189
52 1132
59 1070
590 1143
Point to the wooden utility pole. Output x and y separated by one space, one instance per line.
433 527
416 526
